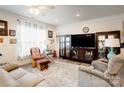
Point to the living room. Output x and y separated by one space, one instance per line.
15 46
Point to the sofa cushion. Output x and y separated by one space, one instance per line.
9 67
18 73
6 80
30 80
115 64
100 65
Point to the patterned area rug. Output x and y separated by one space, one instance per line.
59 74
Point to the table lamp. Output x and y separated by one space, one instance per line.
112 43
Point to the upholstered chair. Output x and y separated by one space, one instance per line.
36 55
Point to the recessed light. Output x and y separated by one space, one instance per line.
77 15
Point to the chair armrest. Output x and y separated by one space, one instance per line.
35 59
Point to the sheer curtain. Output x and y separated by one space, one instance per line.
30 35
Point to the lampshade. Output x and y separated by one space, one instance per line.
114 42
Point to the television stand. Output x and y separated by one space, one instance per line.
83 54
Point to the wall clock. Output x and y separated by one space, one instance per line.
85 29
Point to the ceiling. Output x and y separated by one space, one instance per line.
64 14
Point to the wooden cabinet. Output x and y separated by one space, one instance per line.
75 53
89 54
100 43
62 46
65 46
83 54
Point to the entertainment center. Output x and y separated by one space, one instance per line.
80 47
85 47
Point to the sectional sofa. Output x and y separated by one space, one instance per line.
19 78
103 74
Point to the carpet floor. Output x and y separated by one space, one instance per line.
59 74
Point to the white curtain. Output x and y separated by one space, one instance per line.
30 35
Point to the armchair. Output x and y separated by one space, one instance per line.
36 55
39 60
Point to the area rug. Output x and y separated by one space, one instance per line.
59 74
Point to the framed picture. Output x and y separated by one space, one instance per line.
1 40
122 37
3 28
13 41
122 45
50 34
12 32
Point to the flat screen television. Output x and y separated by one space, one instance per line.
83 40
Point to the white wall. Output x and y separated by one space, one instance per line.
51 46
8 50
97 25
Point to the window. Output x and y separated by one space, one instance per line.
30 35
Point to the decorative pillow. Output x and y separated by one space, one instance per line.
9 67
6 80
30 80
103 60
115 64
99 65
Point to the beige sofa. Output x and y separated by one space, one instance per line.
19 78
101 74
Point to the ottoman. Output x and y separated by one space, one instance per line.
42 64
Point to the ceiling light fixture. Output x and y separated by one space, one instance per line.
77 15
34 11
37 9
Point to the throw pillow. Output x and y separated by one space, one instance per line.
99 65
9 67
